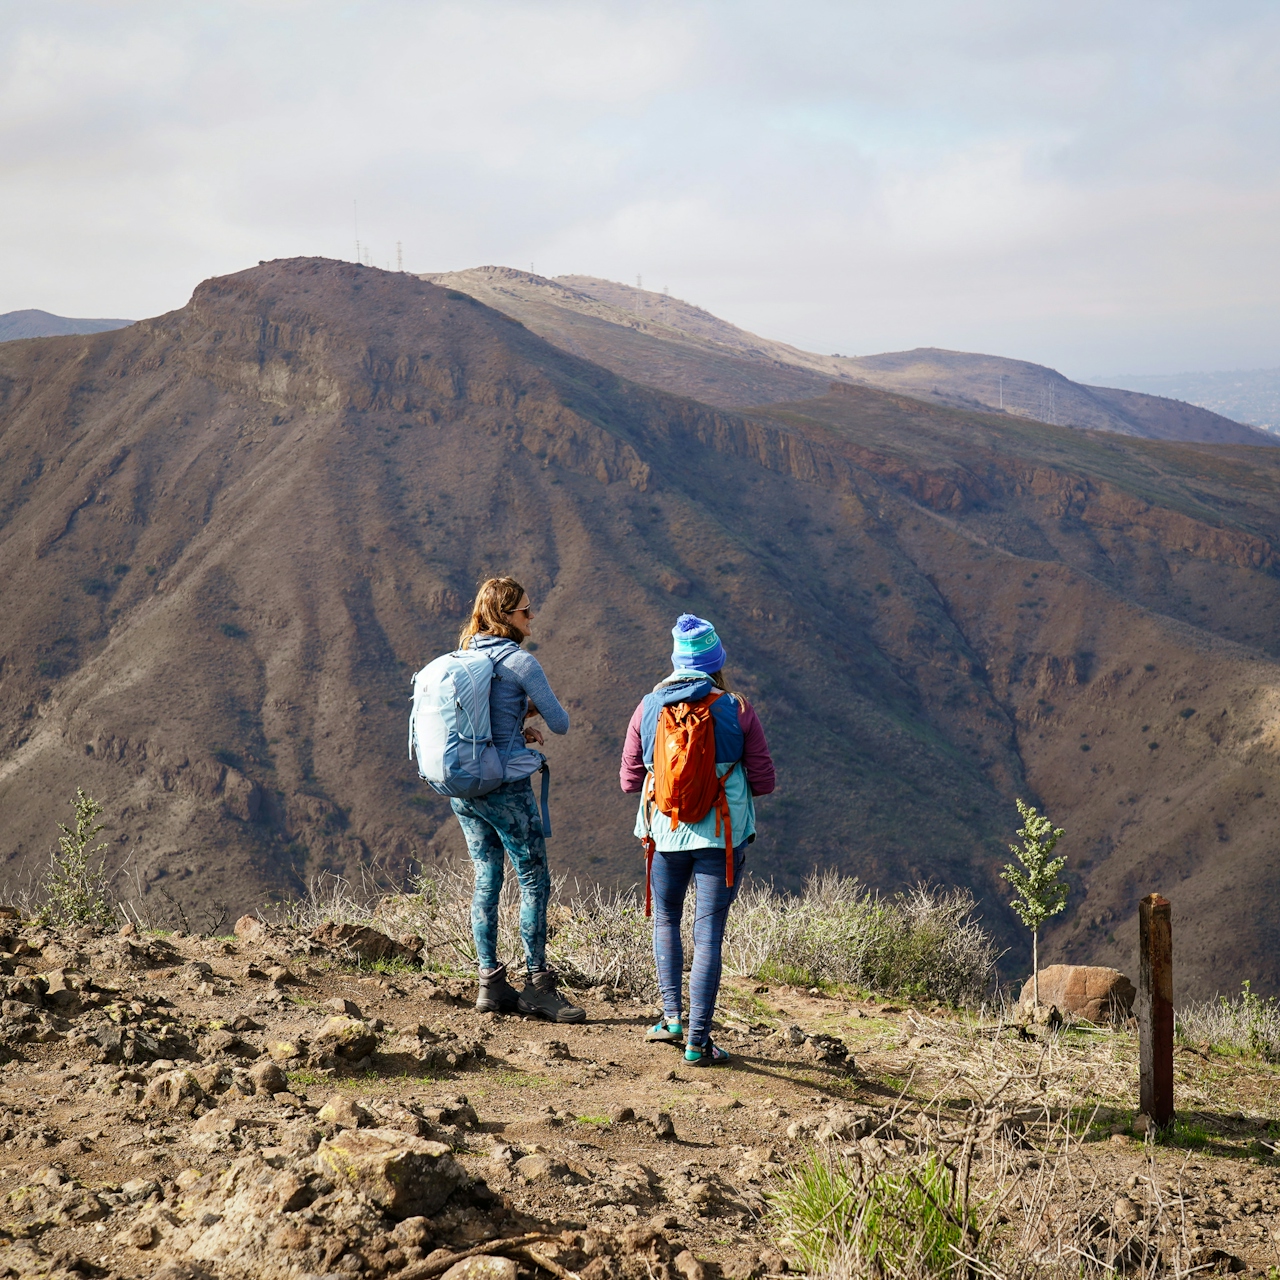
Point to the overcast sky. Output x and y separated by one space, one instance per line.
1095 186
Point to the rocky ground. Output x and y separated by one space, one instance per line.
274 1105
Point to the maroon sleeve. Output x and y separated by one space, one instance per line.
631 774
756 759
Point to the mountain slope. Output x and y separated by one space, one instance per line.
228 536
666 343
41 324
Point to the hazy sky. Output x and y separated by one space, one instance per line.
1095 186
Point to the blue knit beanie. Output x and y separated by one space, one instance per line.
697 647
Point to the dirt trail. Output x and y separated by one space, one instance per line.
187 1107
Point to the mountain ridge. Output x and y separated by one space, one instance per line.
679 347
15 325
229 535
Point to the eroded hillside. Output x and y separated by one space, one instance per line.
229 535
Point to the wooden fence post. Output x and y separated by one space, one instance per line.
1155 1010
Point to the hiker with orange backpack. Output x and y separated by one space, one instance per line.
696 753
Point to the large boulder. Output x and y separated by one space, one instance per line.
405 1176
1089 992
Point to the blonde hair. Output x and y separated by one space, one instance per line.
717 678
496 598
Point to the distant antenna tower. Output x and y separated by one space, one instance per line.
399 256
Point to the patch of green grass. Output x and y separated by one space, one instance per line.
603 1120
305 1079
521 1080
387 968
1182 1133
899 1221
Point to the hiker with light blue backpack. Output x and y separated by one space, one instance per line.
468 732
696 753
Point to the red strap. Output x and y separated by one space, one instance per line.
723 818
648 846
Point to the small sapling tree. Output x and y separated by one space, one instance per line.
75 891
1040 894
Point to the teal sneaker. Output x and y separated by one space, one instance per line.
665 1033
705 1055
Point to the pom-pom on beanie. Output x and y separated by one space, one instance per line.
697 647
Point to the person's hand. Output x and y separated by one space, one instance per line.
534 735
533 711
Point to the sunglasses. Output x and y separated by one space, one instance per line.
527 610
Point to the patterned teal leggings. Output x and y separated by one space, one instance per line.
507 819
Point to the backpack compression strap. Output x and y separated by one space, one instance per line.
546 788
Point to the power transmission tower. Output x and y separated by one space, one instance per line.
355 222
400 258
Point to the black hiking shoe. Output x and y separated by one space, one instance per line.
496 994
541 998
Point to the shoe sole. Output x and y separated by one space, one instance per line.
490 1007
650 1038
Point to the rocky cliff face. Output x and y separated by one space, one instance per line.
229 535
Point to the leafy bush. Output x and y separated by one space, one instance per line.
74 890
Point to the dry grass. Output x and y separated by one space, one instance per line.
1245 1025
925 943
994 1175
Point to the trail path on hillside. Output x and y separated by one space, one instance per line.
199 1157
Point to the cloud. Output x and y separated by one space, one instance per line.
1090 185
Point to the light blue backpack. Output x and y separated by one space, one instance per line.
449 732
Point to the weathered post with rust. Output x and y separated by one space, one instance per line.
1155 1012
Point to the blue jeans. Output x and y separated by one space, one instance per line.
507 821
670 882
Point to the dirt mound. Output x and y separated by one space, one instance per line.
230 534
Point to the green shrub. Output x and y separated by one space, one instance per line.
74 890
905 1220
1245 1025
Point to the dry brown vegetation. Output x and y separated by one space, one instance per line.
184 1106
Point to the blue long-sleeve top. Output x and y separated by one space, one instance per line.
518 680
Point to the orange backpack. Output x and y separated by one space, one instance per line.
684 784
